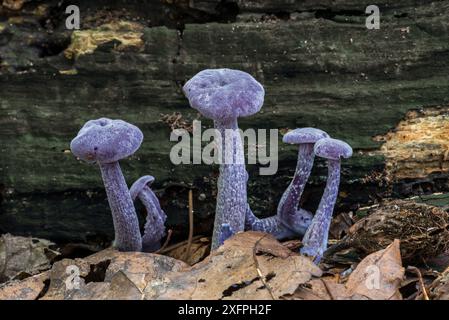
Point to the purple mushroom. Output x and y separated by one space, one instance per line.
315 239
288 211
226 232
154 229
278 227
225 95
105 141
290 220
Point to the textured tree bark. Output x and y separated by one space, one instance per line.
383 91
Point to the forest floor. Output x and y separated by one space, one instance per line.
394 250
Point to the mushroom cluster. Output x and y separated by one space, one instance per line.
222 95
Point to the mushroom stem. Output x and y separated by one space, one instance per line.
231 197
300 221
154 228
270 225
288 205
315 239
126 224
226 233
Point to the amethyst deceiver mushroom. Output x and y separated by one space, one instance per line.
105 142
291 220
315 239
306 138
154 229
275 226
224 95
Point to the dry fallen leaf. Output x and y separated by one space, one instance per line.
234 272
199 250
24 256
377 277
110 274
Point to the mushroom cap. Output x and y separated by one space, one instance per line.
106 141
304 135
332 149
222 94
139 185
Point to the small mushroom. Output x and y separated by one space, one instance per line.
290 220
315 239
225 95
288 211
105 141
154 229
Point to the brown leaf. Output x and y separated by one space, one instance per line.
28 289
340 225
198 251
233 272
24 256
110 275
379 275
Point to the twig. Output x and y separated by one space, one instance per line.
420 280
169 233
326 286
189 243
259 272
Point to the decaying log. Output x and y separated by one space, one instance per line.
383 91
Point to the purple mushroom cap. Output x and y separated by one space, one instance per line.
304 135
137 186
106 141
222 94
332 149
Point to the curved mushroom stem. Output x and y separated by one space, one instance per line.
315 239
154 229
290 220
275 226
231 197
288 205
126 224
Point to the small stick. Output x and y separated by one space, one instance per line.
259 272
189 243
169 233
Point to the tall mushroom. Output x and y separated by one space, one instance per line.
105 141
315 239
154 228
225 95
